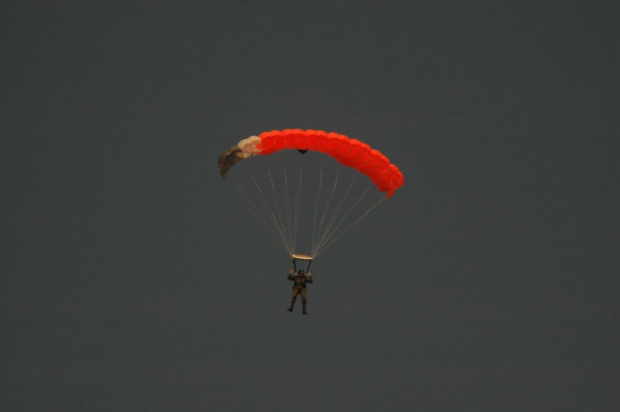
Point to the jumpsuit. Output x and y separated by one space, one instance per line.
299 288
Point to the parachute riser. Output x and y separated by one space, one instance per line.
297 257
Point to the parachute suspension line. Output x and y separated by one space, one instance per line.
317 201
329 229
275 221
272 228
292 235
279 217
322 223
272 221
325 223
297 206
359 219
329 233
263 220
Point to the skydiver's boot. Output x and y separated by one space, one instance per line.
290 309
303 305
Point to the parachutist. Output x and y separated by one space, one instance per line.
299 287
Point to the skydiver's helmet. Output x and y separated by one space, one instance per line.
300 272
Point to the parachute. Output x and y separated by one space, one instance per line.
308 181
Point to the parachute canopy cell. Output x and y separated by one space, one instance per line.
228 159
349 152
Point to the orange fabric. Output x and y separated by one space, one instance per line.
350 152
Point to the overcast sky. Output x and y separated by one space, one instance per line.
132 278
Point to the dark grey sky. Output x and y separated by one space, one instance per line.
131 279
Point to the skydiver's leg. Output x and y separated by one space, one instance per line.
303 301
293 299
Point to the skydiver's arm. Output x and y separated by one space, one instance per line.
310 280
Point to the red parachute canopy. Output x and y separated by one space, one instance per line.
349 152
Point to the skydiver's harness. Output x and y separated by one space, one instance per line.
300 281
